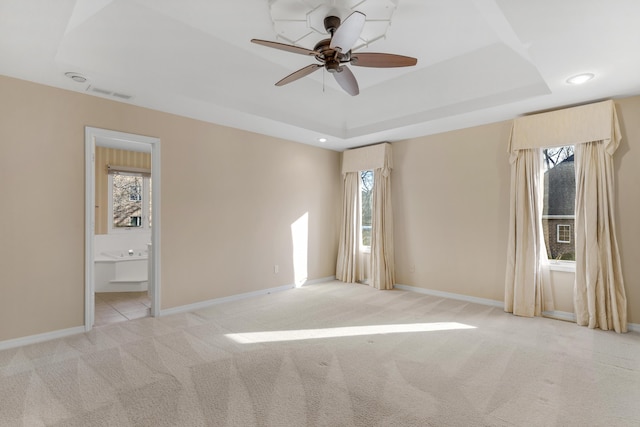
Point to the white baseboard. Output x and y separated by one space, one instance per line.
460 297
208 303
47 336
316 281
560 315
571 317
34 339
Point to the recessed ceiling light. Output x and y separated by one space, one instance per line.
76 77
580 78
322 139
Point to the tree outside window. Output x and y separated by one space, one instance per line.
127 201
366 193
130 201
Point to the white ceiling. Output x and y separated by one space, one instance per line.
479 61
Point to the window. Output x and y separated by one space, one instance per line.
135 193
563 233
366 194
129 202
558 212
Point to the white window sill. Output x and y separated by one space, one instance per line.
567 266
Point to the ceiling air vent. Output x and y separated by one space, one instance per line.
107 92
121 95
100 91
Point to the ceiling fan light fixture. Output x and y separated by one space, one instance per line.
335 52
333 66
579 79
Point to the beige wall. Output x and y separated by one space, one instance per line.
229 198
112 156
451 199
232 202
627 167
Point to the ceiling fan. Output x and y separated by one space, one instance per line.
335 52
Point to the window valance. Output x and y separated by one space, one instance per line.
570 126
112 169
367 158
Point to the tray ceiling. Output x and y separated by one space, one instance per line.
478 60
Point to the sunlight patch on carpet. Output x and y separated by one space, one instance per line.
349 331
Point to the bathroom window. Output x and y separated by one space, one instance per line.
129 202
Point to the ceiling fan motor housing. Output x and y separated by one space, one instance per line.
329 57
331 24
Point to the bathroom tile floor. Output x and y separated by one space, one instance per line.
112 307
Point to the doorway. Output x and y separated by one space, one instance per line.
130 142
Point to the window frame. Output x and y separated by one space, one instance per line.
145 202
555 264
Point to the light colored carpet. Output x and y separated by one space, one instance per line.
328 355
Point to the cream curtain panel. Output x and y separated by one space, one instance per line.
348 267
527 285
599 296
382 260
382 267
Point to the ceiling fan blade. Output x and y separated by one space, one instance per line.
299 74
286 47
347 81
348 32
381 60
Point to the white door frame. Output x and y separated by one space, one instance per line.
126 141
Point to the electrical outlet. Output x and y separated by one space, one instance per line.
276 269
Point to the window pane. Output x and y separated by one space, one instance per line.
558 213
127 201
366 192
